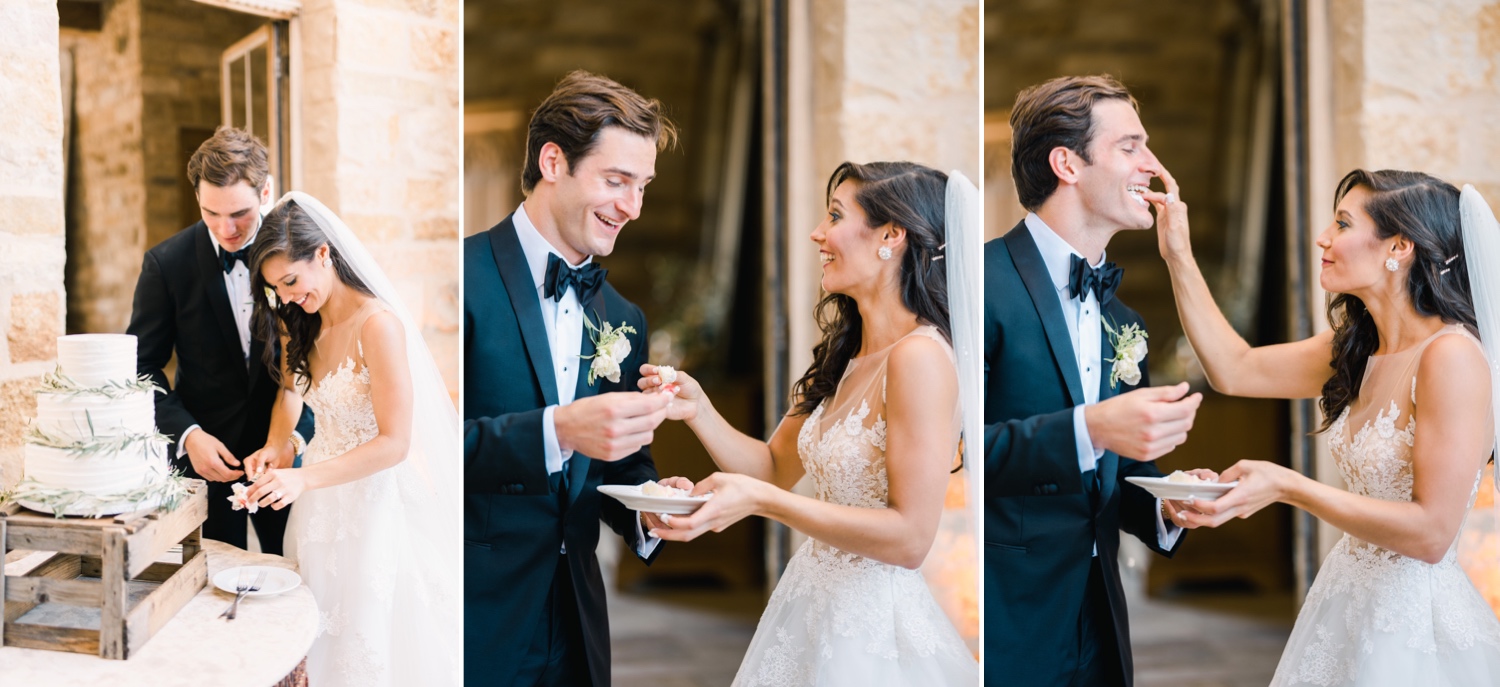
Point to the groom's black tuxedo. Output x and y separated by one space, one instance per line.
514 523
1041 523
181 305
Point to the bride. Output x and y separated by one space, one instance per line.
376 492
876 425
1390 606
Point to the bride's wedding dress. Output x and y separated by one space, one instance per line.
385 600
841 619
1375 617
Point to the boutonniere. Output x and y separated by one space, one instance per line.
271 297
610 349
1129 343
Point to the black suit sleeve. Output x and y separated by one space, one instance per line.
637 467
1020 456
500 455
153 324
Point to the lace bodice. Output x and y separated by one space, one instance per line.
343 410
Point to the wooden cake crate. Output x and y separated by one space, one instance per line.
122 553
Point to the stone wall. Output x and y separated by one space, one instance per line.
1415 88
32 303
380 144
107 201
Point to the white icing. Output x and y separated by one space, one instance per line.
101 473
93 360
72 416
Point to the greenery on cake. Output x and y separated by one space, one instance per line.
93 444
55 382
167 493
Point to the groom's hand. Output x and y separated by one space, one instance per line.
210 458
610 426
1144 424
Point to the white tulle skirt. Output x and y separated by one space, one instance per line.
840 619
1375 618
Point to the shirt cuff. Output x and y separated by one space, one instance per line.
1166 535
1088 456
182 441
553 454
647 543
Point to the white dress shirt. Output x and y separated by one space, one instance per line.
237 286
1085 329
564 322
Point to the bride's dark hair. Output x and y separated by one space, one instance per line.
290 232
907 195
1424 210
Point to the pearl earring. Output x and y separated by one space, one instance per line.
328 262
884 252
1391 264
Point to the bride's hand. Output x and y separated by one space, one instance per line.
1172 236
654 520
268 458
278 488
687 399
735 496
1260 484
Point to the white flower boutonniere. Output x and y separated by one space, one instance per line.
610 350
1129 343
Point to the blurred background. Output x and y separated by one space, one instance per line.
1258 108
769 96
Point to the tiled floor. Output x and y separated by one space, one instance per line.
696 639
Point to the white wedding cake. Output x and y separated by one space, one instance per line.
93 448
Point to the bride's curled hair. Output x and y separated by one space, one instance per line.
1424 210
290 232
912 197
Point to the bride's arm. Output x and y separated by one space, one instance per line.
1233 367
1452 404
384 343
734 451
286 411
921 392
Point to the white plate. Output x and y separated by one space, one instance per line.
1179 491
277 580
631 496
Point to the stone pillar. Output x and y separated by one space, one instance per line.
380 144
31 215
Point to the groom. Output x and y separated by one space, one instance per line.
1058 427
193 299
539 436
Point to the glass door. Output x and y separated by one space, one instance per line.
254 87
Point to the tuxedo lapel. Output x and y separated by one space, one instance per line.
1033 271
595 311
1109 464
211 271
511 262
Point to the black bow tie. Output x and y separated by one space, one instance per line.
1102 280
585 280
228 258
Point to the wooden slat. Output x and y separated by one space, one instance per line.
165 601
90 566
192 543
61 566
112 613
158 572
39 590
24 534
168 529
29 636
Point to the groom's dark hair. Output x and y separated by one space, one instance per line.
228 157
1056 113
580 107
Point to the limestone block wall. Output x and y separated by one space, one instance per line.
31 215
1416 86
107 206
380 144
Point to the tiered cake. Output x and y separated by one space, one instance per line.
93 448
